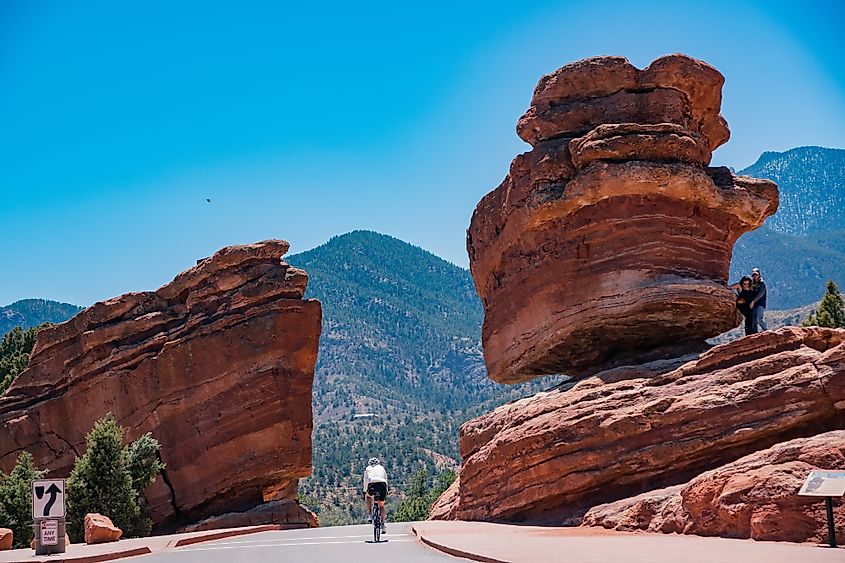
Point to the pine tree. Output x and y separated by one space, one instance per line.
110 479
831 311
16 499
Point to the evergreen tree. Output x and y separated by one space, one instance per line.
421 495
16 499
110 479
14 353
831 311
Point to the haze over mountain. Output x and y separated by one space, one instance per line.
803 244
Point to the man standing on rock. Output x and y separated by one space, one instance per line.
758 303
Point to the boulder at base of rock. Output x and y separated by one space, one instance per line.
551 457
289 514
754 497
218 364
6 539
100 529
609 242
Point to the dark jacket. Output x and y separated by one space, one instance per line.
743 301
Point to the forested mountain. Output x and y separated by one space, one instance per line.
28 313
803 244
400 344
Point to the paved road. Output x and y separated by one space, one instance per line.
342 544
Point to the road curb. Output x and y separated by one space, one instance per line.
225 534
91 558
454 551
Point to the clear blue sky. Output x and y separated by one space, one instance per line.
118 119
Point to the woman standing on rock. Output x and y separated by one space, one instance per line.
744 296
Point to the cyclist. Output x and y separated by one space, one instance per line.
375 487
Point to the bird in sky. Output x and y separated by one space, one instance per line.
208 199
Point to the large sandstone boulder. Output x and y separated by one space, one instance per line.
551 457
753 497
100 529
6 539
218 364
609 242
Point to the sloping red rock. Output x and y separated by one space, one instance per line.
551 457
753 497
288 513
100 529
609 243
217 364
6 539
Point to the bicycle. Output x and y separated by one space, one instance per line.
376 515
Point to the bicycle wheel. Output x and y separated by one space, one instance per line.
376 523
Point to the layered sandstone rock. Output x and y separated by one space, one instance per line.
100 529
551 457
609 242
753 497
288 513
6 539
217 364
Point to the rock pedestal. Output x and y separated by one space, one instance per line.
218 364
609 242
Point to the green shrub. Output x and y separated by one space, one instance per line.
16 499
831 311
110 479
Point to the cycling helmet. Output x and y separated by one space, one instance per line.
374 461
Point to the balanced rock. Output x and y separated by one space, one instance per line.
551 457
218 364
6 539
609 242
753 497
100 529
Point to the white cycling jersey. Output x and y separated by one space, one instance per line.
374 474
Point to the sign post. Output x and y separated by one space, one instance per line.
827 484
48 512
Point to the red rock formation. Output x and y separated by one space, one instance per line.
753 497
288 513
100 529
551 457
217 364
609 242
6 539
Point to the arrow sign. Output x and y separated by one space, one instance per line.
48 498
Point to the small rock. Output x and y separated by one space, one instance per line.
6 537
100 529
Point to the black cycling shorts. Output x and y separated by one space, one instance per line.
377 490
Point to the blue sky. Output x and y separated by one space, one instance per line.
118 119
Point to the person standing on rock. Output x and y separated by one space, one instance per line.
375 488
744 296
758 303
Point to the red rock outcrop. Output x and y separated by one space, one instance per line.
218 364
609 242
753 497
551 457
6 539
100 529
289 514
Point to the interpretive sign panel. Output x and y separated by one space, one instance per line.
49 532
824 484
48 498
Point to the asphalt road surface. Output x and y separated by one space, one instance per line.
342 544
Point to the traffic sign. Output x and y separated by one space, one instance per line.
49 532
48 498
824 484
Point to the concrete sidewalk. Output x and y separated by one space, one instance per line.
503 543
82 553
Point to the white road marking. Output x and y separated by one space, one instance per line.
241 542
213 548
